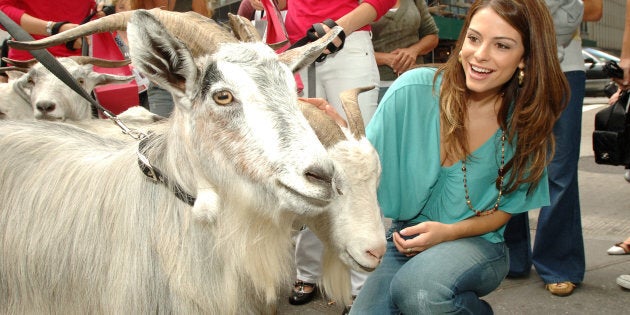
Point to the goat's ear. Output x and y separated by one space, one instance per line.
159 55
300 57
14 74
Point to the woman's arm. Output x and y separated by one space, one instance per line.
431 233
593 10
405 58
201 7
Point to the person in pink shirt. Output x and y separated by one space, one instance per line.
350 64
43 18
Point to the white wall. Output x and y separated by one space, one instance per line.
609 30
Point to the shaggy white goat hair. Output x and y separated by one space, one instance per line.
85 232
12 106
46 97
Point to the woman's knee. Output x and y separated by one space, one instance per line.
425 294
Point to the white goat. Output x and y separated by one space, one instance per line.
118 243
12 106
49 98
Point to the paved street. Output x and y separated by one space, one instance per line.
605 199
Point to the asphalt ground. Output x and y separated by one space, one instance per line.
605 201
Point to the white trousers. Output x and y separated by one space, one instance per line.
351 67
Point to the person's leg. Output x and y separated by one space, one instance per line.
358 279
517 239
308 256
353 66
450 278
374 297
558 252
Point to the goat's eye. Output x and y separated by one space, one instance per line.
223 97
81 80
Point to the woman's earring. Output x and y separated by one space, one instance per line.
521 77
459 57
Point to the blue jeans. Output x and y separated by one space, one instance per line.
446 278
558 253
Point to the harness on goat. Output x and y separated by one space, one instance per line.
156 175
48 61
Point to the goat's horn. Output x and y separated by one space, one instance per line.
194 29
326 129
109 23
104 63
350 103
300 57
5 69
245 31
243 28
21 63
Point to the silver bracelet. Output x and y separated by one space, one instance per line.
49 26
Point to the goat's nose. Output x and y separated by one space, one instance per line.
45 106
377 252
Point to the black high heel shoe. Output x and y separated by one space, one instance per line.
298 296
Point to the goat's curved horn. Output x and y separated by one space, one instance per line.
27 64
20 69
300 57
326 129
104 63
194 29
243 28
109 23
350 103
245 31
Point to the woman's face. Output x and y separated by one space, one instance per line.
491 52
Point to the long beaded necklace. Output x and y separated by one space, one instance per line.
499 179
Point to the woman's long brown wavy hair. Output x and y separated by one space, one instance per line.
536 104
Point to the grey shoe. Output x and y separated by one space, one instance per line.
624 281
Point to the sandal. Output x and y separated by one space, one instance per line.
560 288
619 249
299 296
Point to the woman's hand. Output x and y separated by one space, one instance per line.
415 239
403 59
613 98
256 5
323 105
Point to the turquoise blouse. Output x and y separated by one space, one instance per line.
405 130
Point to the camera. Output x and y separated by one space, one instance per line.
612 70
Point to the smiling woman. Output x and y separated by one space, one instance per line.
475 151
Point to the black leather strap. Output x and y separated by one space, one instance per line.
70 44
57 26
157 176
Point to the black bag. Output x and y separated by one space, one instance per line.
611 138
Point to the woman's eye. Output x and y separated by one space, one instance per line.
473 38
